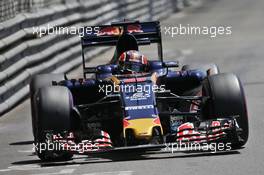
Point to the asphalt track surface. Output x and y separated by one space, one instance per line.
241 53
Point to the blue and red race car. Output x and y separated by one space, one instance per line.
134 102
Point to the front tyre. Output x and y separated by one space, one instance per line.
227 98
53 115
37 82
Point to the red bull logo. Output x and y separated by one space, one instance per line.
134 28
116 30
109 31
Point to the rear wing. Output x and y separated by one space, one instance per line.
108 35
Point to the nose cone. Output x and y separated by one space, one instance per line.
143 127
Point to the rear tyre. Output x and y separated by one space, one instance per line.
179 5
186 3
209 69
53 115
227 98
37 82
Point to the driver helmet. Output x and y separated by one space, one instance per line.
133 61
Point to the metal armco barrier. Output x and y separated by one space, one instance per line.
23 53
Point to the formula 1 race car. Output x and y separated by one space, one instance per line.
134 102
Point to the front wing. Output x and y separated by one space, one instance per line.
209 131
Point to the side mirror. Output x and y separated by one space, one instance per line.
89 70
170 64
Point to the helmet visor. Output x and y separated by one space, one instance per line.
133 66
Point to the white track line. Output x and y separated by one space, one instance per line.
111 173
64 171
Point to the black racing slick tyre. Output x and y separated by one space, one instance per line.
209 69
37 82
53 115
227 98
